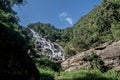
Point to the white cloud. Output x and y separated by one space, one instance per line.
63 14
69 20
65 17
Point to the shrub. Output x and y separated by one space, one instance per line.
48 64
46 74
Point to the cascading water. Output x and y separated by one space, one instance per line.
48 48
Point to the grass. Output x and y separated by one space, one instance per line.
47 68
89 75
46 74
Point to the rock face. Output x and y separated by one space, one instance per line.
108 53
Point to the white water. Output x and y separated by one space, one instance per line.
48 48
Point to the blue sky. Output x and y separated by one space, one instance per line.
60 13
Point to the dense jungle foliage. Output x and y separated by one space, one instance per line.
100 25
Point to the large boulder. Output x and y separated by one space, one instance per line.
108 53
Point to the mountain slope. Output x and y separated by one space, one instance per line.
100 25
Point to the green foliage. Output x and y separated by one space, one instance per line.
48 64
13 47
98 26
89 75
69 52
47 68
115 29
46 74
96 62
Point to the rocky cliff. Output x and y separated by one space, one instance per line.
106 56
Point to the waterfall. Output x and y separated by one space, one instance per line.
48 48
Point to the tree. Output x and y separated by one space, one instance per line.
14 60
